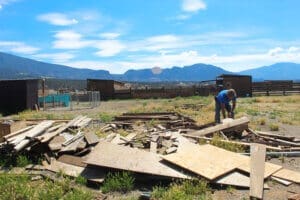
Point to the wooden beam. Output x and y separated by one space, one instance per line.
257 169
220 127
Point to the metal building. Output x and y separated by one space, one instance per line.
241 83
18 95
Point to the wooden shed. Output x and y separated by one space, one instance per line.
106 88
241 83
18 95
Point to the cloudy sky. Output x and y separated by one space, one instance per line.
118 35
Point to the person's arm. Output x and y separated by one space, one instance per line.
233 105
223 110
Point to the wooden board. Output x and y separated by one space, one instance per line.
219 127
56 143
257 168
91 138
205 160
72 160
218 155
289 175
91 174
153 147
236 179
122 157
282 181
270 168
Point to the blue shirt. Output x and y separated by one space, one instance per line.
223 98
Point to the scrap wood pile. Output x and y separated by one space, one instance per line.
162 150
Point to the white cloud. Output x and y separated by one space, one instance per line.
293 49
275 51
56 57
69 40
183 17
193 5
110 35
5 2
109 48
57 19
17 47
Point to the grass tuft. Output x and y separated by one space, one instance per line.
189 190
119 182
274 127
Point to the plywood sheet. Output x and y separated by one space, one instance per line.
91 174
236 179
206 160
282 181
126 158
212 161
257 168
289 175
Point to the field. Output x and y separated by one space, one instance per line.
273 114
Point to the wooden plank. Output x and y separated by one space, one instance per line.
219 127
48 136
229 141
91 138
236 179
282 181
116 139
72 160
6 137
115 156
206 160
257 162
291 138
289 175
153 147
56 143
270 168
91 174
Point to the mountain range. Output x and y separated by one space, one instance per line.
15 67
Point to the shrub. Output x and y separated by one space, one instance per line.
120 182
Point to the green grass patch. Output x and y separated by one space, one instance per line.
188 190
80 180
118 182
274 127
217 141
106 117
21 187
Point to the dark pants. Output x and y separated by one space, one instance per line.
218 110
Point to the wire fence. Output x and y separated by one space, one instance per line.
70 101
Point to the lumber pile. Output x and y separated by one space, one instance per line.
166 149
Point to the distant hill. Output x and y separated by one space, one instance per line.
12 67
196 72
278 71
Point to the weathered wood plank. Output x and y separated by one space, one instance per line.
91 174
206 160
131 159
257 163
223 126
91 138
236 179
289 175
282 181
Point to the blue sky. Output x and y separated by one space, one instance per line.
118 35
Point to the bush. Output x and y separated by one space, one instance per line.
120 182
